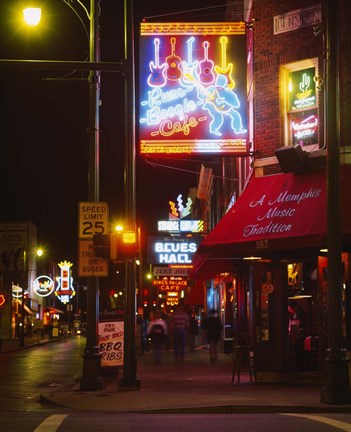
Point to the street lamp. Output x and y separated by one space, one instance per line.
32 15
38 253
91 376
91 379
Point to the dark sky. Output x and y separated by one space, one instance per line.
44 140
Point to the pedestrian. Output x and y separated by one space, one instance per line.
194 329
213 329
180 325
157 331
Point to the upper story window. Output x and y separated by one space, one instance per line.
300 104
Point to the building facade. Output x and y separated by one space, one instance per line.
278 299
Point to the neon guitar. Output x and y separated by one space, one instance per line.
157 77
189 66
218 102
206 66
173 71
225 69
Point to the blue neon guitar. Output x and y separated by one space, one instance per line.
157 77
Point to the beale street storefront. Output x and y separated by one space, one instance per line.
267 259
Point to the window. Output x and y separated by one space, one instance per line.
300 104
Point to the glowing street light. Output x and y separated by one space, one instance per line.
92 378
32 15
26 254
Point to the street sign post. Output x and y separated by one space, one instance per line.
88 263
93 220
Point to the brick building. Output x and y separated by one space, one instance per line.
298 69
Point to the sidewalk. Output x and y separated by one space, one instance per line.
196 386
8 345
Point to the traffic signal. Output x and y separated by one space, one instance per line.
127 245
146 295
102 246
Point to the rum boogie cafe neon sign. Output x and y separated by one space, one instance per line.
169 250
193 88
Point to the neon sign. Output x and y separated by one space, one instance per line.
303 89
43 286
181 225
17 292
193 88
172 250
177 212
2 299
65 291
304 129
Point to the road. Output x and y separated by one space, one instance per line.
25 374
107 422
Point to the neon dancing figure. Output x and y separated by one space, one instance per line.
221 102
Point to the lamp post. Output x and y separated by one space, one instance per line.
336 386
38 253
130 363
91 376
91 379
25 281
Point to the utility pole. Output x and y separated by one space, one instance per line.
92 375
336 387
130 361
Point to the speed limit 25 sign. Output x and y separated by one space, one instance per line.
93 219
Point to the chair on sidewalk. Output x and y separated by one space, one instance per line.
243 358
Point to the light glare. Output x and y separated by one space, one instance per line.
32 15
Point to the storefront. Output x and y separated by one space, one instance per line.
267 254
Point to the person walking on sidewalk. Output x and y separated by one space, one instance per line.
157 330
180 325
213 328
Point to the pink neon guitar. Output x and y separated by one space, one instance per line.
173 71
157 77
206 67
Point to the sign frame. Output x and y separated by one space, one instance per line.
93 219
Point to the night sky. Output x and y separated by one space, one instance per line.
44 140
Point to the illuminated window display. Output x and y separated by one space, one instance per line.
300 87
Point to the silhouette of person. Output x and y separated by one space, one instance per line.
180 325
6 260
158 331
16 256
213 328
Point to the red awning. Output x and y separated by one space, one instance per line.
275 213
